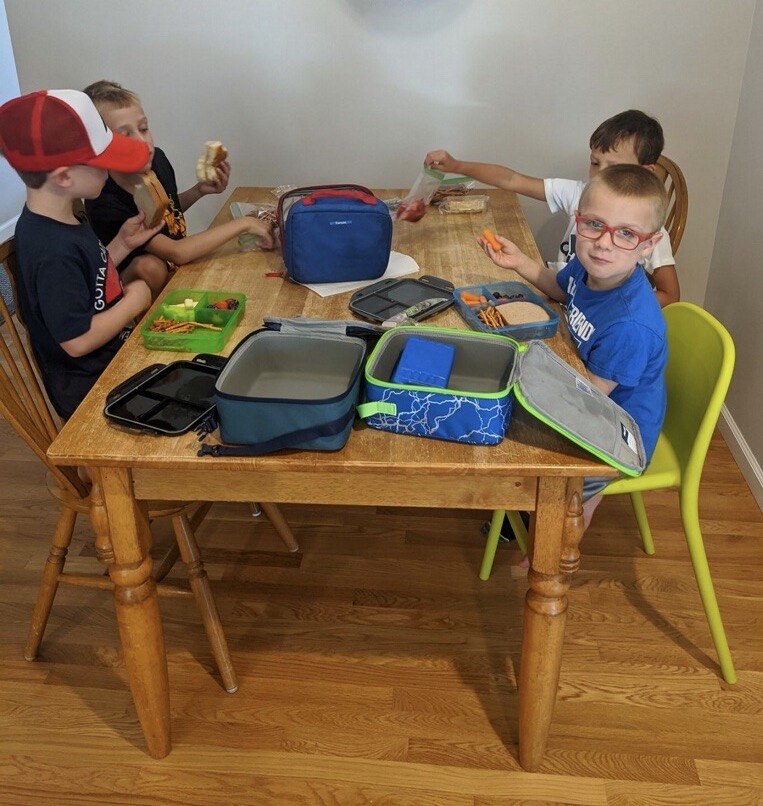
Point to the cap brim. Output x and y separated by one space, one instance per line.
122 154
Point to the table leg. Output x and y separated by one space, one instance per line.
555 557
137 608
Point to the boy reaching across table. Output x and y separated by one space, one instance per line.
74 305
629 138
613 315
122 112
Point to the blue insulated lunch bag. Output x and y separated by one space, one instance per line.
334 233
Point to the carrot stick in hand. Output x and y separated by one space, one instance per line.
491 239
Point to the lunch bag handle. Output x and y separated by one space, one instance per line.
339 194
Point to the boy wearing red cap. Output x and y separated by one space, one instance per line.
73 303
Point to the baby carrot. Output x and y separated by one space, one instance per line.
490 238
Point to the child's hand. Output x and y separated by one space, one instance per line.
440 160
133 233
220 182
261 229
510 256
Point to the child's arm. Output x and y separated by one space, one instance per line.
107 324
497 175
602 384
511 257
664 279
195 192
197 246
131 235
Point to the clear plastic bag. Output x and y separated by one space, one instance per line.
279 190
469 203
414 206
248 241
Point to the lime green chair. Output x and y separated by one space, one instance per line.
700 366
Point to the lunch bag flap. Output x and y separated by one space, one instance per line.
551 390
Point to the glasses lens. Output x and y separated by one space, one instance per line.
625 238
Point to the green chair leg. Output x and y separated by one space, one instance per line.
494 535
491 545
519 528
690 518
639 511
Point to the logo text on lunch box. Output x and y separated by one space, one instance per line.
576 320
336 223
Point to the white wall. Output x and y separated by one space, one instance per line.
735 287
11 187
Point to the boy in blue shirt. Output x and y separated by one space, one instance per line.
628 138
75 308
613 315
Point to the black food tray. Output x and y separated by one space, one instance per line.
382 300
167 399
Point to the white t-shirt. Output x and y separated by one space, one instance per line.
564 194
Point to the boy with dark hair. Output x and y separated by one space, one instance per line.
629 138
122 111
74 305
614 318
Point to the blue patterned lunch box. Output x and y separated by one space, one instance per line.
471 397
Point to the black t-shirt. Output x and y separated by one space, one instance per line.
115 205
65 277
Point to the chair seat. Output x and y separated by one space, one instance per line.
664 472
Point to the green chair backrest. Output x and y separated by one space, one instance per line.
700 365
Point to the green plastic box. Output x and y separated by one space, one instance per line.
199 340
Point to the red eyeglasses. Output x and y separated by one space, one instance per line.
622 237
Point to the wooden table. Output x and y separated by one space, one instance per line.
532 469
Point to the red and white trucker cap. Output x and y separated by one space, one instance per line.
56 128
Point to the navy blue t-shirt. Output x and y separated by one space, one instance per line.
115 205
65 277
620 336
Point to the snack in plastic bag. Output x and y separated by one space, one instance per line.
464 204
414 206
457 186
248 241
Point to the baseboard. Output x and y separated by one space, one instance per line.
742 454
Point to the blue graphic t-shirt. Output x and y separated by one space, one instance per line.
620 336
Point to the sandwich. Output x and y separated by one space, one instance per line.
151 199
206 166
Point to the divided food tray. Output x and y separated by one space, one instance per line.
499 294
200 339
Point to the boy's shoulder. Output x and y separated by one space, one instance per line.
563 194
39 237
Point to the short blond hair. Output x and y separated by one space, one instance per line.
632 182
105 93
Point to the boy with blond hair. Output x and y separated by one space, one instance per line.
74 305
122 112
628 138
614 318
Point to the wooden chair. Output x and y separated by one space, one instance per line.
678 199
26 408
701 359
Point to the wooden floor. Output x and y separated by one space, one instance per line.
375 668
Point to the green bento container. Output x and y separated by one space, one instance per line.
199 340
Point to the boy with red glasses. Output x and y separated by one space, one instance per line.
613 315
629 138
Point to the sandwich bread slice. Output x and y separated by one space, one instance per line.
206 166
151 198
